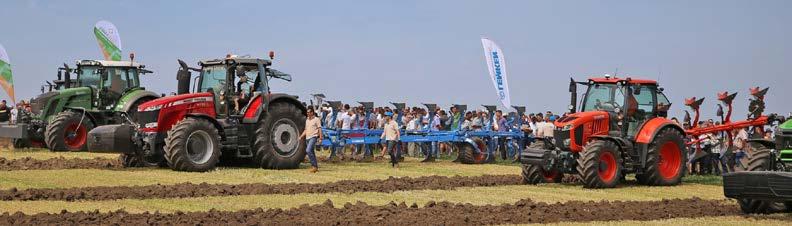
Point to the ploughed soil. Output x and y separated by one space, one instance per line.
442 213
199 190
29 163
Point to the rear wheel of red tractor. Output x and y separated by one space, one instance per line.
600 164
467 152
760 159
277 144
666 159
68 131
193 145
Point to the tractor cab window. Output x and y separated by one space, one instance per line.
663 104
604 97
645 100
641 107
212 77
118 80
89 76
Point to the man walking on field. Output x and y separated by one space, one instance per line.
391 135
313 133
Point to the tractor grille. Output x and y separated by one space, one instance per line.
560 136
144 117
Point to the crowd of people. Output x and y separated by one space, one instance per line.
11 114
417 119
713 154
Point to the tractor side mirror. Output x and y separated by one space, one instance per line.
637 90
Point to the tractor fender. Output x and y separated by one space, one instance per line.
654 126
209 118
769 144
256 108
125 103
87 114
648 133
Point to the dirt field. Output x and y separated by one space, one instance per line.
39 187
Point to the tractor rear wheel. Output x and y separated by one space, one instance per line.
600 164
467 153
665 159
760 159
277 144
68 131
193 145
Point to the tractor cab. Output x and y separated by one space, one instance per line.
109 80
233 82
631 102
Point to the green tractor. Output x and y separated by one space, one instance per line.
103 92
783 145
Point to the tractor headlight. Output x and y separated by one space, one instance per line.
153 108
567 142
151 125
567 127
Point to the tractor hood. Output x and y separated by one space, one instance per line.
174 100
573 120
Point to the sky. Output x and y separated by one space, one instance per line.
429 51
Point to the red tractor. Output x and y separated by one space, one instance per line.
231 114
621 129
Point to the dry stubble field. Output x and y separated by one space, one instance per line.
38 186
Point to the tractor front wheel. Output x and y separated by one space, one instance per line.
760 159
665 159
600 165
193 145
68 131
277 144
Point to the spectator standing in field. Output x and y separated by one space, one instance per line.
413 123
312 134
456 116
391 135
501 125
468 121
5 112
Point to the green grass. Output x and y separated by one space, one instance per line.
42 154
24 179
550 193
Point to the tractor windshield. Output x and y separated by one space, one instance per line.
212 77
603 97
89 76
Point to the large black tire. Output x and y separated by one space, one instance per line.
21 143
666 159
760 159
68 131
144 158
277 144
193 145
600 164
467 152
533 174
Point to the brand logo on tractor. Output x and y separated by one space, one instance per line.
498 77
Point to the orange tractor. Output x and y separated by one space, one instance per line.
620 129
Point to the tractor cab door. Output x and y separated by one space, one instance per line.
640 106
213 79
115 81
245 84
